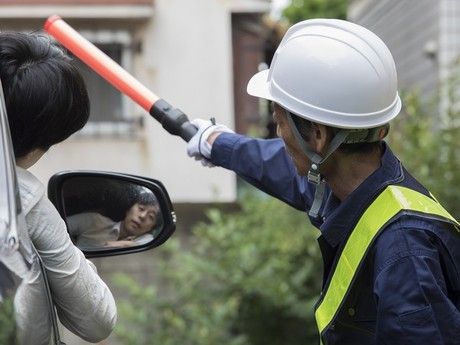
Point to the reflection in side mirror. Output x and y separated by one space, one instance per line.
109 214
131 217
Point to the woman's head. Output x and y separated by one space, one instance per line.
46 98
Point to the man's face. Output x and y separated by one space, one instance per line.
283 130
140 219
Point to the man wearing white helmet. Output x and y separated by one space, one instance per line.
391 252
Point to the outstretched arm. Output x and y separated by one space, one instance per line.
263 163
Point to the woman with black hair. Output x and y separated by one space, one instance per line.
46 102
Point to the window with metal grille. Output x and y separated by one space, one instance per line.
111 112
106 103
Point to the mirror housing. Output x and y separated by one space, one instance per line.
108 200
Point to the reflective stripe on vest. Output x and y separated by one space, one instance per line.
388 204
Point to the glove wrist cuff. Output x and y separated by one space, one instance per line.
204 146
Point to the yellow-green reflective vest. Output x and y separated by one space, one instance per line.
388 204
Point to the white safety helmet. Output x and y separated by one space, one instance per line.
332 72
335 73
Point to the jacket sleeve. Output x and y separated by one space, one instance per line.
264 164
414 303
83 301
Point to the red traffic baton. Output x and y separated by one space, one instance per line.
172 119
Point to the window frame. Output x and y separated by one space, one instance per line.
128 124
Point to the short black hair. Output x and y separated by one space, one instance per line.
141 195
46 98
146 198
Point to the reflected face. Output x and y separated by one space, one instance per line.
140 219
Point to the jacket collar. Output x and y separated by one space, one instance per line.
339 218
31 189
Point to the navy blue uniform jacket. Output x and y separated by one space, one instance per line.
408 290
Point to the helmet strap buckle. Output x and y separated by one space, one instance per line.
314 176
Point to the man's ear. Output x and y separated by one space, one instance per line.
319 138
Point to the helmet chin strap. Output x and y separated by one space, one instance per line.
314 175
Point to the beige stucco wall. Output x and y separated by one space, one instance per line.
188 56
186 59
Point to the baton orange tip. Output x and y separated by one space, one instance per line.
50 21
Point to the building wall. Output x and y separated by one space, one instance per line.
449 51
411 29
449 40
193 39
189 65
184 54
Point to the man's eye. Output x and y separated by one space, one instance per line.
271 107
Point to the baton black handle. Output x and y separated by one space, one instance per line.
173 120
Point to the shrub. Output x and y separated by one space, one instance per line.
250 277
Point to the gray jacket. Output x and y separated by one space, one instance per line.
83 301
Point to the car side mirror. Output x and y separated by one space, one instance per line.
112 213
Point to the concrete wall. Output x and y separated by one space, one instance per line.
186 58
184 54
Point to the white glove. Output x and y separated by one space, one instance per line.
198 146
